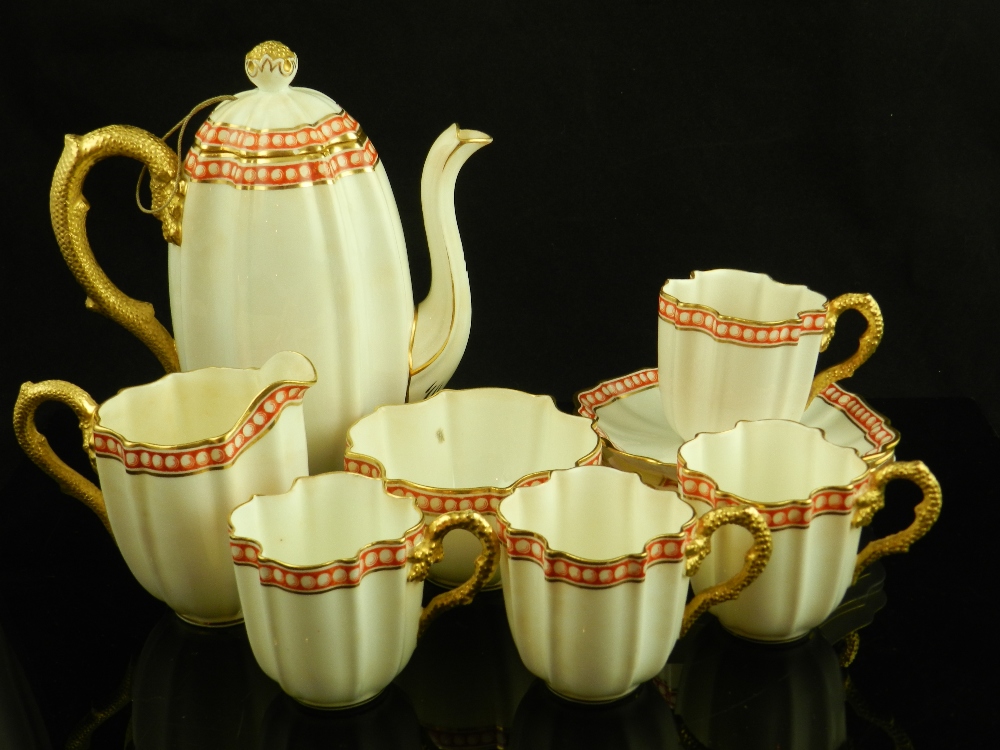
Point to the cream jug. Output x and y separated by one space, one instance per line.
284 235
174 458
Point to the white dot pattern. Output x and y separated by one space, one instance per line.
695 487
143 459
747 333
341 574
522 545
326 151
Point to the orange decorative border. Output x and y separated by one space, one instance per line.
252 142
339 574
139 458
875 427
611 390
434 501
559 566
306 170
733 330
695 486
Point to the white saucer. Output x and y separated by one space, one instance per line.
627 414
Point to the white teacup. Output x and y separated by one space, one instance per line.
467 450
815 497
595 569
174 457
737 345
331 574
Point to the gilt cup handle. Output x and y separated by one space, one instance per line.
37 448
699 547
873 498
68 209
867 344
431 550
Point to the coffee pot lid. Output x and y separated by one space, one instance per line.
277 135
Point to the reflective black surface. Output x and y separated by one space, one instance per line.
88 659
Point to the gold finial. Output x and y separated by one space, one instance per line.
271 57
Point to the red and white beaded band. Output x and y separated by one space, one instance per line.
309 170
340 574
523 545
840 501
173 462
435 503
336 128
730 330
874 426
611 390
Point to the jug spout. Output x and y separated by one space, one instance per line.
442 322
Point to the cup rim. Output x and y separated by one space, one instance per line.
499 492
408 535
832 396
255 403
852 486
796 321
680 536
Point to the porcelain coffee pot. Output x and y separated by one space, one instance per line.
258 265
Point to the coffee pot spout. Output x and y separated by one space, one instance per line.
441 323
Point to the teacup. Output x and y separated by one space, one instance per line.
595 568
174 457
467 450
815 497
736 345
331 574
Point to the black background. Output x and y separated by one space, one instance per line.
850 146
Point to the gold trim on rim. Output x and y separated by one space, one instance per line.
261 557
797 321
734 499
230 433
350 455
664 469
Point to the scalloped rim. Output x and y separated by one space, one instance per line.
853 407
697 486
482 498
560 566
347 572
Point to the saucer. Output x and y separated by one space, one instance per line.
627 414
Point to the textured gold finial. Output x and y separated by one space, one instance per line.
271 56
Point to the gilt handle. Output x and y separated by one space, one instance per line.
68 208
431 550
873 498
699 547
34 444
867 344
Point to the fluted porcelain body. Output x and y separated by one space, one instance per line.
176 456
299 269
292 240
322 575
736 345
467 450
594 579
806 488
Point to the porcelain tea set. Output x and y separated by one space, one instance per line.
299 468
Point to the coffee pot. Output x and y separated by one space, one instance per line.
283 234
